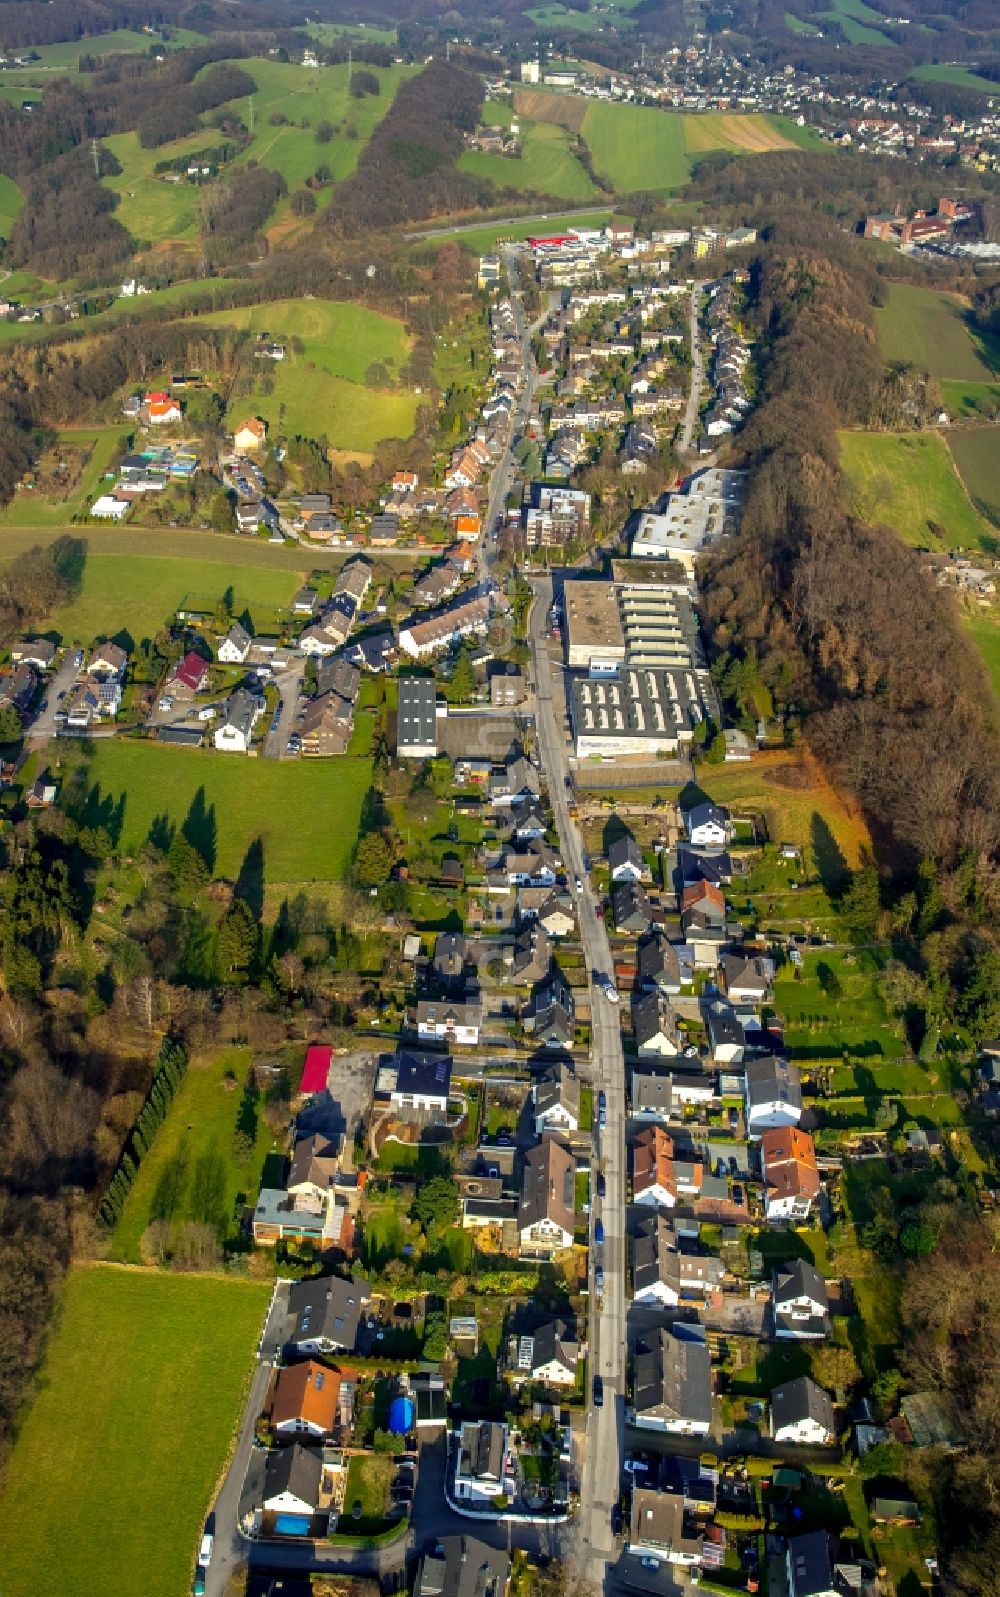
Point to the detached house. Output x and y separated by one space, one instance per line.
325 1313
660 1180
791 1179
801 1412
461 1566
801 1303
292 1477
313 1169
546 1213
304 1401
250 434
655 1025
708 826
667 1269
773 1094
234 733
235 646
658 966
552 1017
673 1382
748 978
441 1020
556 1102
188 677
479 1468
550 1354
631 908
625 861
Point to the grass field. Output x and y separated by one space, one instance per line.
176 294
975 450
855 1022
122 41
138 593
152 209
305 814
190 1172
113 1469
921 327
796 24
984 630
546 165
860 23
343 339
791 792
960 76
29 508
11 200
637 147
908 481
964 401
742 135
559 16
482 239
315 404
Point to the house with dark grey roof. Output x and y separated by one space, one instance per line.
314 1167
810 1566
708 826
416 718
801 1412
625 861
667 1268
673 1382
532 954
556 1101
325 1313
550 1354
724 1029
658 966
292 1477
479 1468
631 908
556 914
461 1566
800 1303
773 1092
451 955
694 866
234 732
654 1023
553 1011
748 978
423 1081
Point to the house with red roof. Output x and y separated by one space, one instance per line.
188 676
315 1069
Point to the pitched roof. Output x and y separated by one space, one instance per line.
654 1163
799 1400
703 895
548 1183
327 1308
673 1374
464 1567
789 1159
561 1090
316 1068
556 1339
799 1279
314 1160
306 1391
772 1080
190 672
297 1470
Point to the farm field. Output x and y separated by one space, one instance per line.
860 23
637 147
921 327
931 72
142 1370
796 24
152 209
304 813
344 339
547 165
138 593
183 545
909 481
965 401
555 15
975 451
30 508
191 1172
331 32
984 630
11 200
722 130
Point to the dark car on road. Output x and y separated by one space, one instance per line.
598 1391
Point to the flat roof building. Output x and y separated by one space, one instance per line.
594 637
416 720
643 713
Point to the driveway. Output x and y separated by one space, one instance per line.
289 686
43 728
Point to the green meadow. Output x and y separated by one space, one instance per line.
547 164
976 452
115 1463
342 338
909 482
924 328
11 201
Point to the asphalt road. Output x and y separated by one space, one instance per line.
56 687
595 1545
289 686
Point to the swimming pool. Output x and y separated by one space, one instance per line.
292 1524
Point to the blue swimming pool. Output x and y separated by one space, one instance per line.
292 1524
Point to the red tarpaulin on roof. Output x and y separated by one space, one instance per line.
316 1068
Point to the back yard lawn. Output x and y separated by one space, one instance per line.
797 802
115 1462
195 1169
832 1008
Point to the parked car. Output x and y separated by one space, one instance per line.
599 1281
599 1233
598 1391
601 1184
616 1519
602 1109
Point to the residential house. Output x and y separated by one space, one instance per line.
327 726
694 866
811 1568
800 1302
748 978
515 782
313 1169
708 826
353 580
292 1477
304 1401
801 1412
658 966
791 1179
423 1082
546 1212
625 861
461 1566
665 1097
36 652
250 434
108 661
18 689
527 822
552 1018
533 865
726 1036
305 602
654 1023
439 629
336 675
662 1528
668 1269
187 677
451 955
773 1092
673 1382
532 954
555 914
556 1102
631 908
479 1467
234 733
443 1020
661 1179
325 1313
705 899
550 1354
43 791
507 689
235 646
